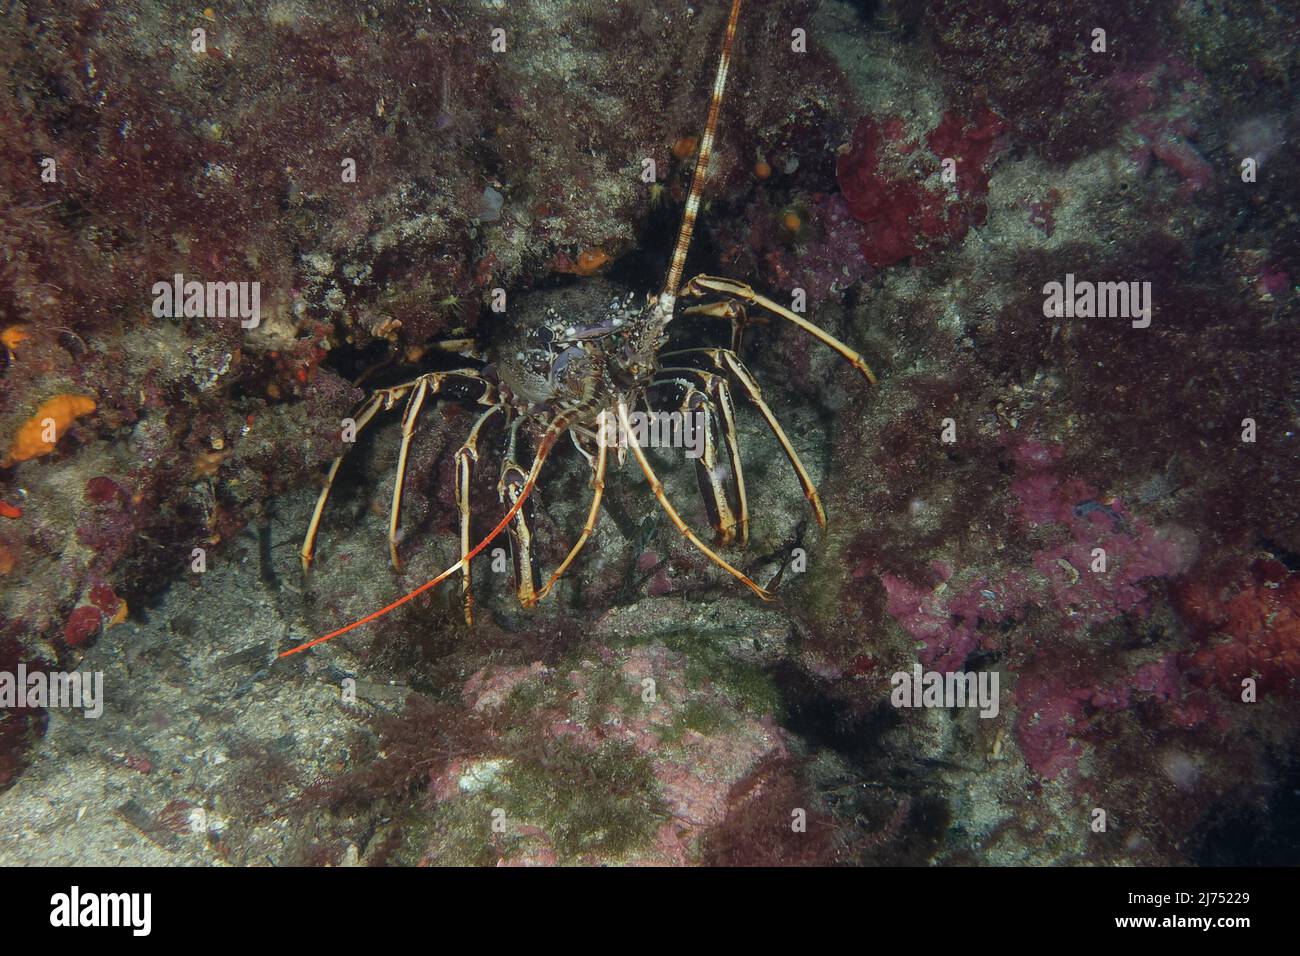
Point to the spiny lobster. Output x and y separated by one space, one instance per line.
582 377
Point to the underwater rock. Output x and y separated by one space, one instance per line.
1099 512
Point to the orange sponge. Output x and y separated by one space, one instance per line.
590 261
59 411
12 337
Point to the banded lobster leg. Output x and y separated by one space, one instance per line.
416 392
552 434
703 285
731 310
430 384
726 361
598 461
510 488
728 509
466 456
657 488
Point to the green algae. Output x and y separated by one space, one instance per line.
581 803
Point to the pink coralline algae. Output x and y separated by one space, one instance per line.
896 187
1096 574
825 260
1158 102
696 772
955 614
652 564
946 623
1272 282
1054 713
1170 144
950 620
489 687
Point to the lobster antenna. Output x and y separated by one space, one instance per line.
543 449
702 162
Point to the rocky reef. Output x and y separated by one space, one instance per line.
1090 493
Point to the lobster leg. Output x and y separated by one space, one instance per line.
548 440
383 400
510 488
368 411
593 515
707 285
466 455
576 437
719 425
708 471
657 487
722 396
425 385
732 311
413 406
724 360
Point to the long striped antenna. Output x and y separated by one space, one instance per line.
701 163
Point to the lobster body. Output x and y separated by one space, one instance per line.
580 366
584 369
560 363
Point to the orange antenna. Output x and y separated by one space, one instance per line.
543 449
702 163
